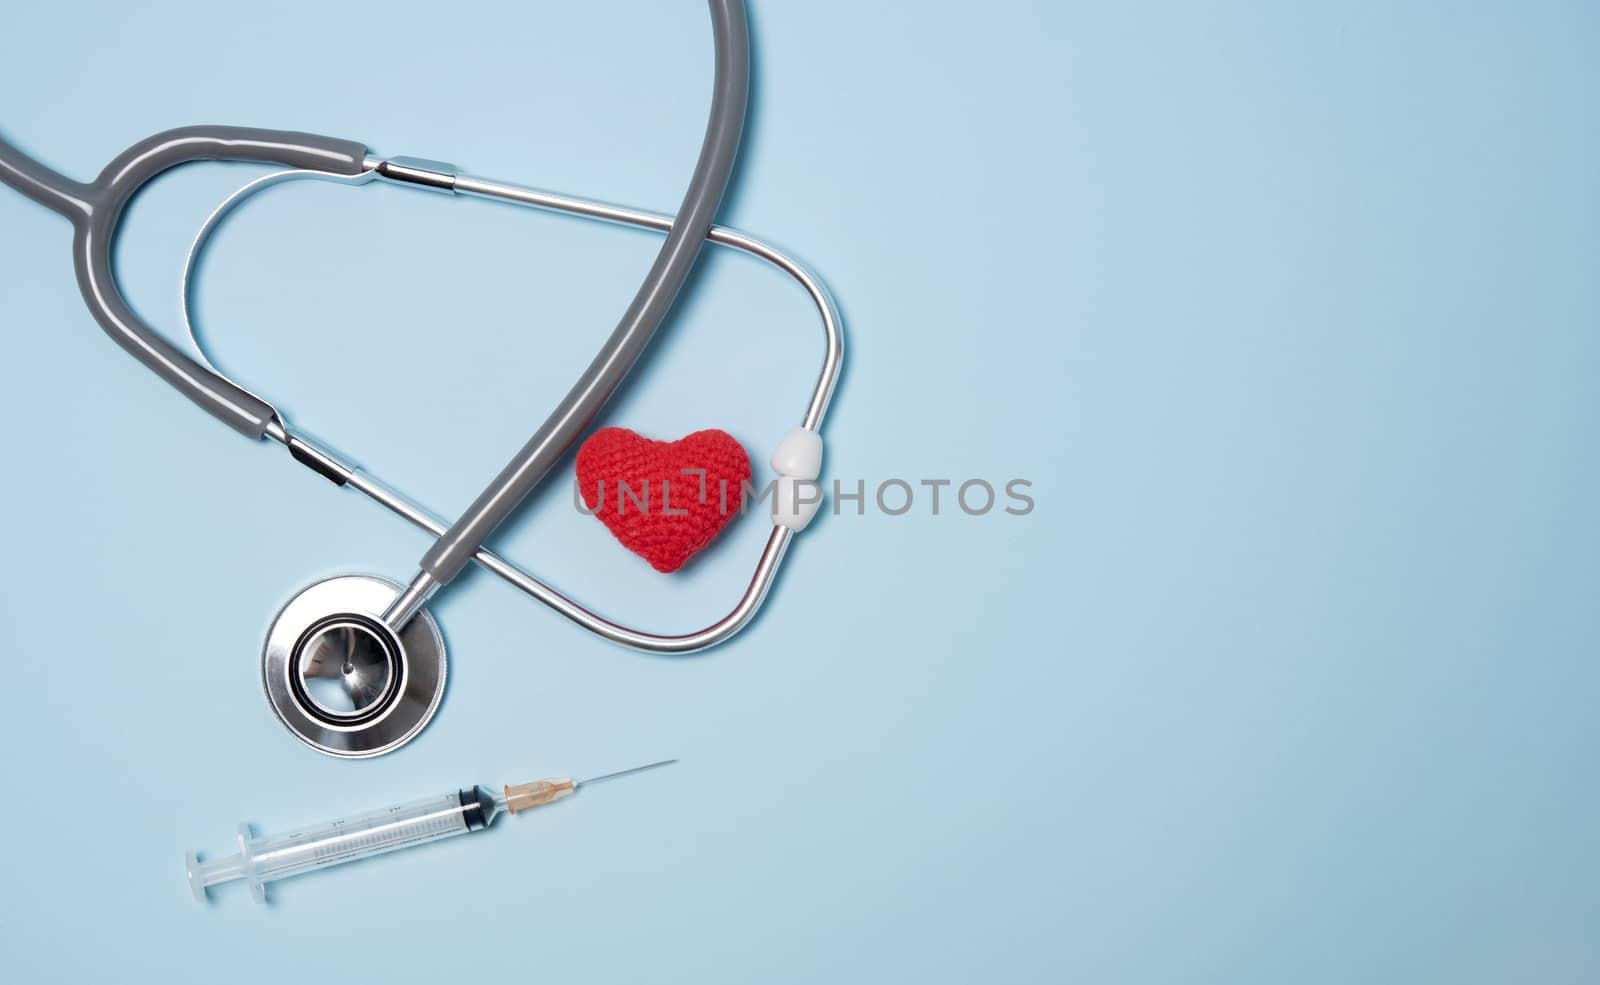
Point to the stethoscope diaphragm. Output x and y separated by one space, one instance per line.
341 680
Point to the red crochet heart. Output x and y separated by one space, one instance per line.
651 495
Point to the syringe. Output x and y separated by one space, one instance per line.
262 860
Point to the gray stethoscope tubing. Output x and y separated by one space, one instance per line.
730 93
339 471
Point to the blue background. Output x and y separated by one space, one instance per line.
1288 311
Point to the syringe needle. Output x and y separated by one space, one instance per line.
636 769
548 791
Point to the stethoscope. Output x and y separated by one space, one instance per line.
354 665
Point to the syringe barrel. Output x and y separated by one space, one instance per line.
279 856
261 860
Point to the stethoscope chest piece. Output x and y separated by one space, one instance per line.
340 679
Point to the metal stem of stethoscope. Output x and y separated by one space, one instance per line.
440 177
